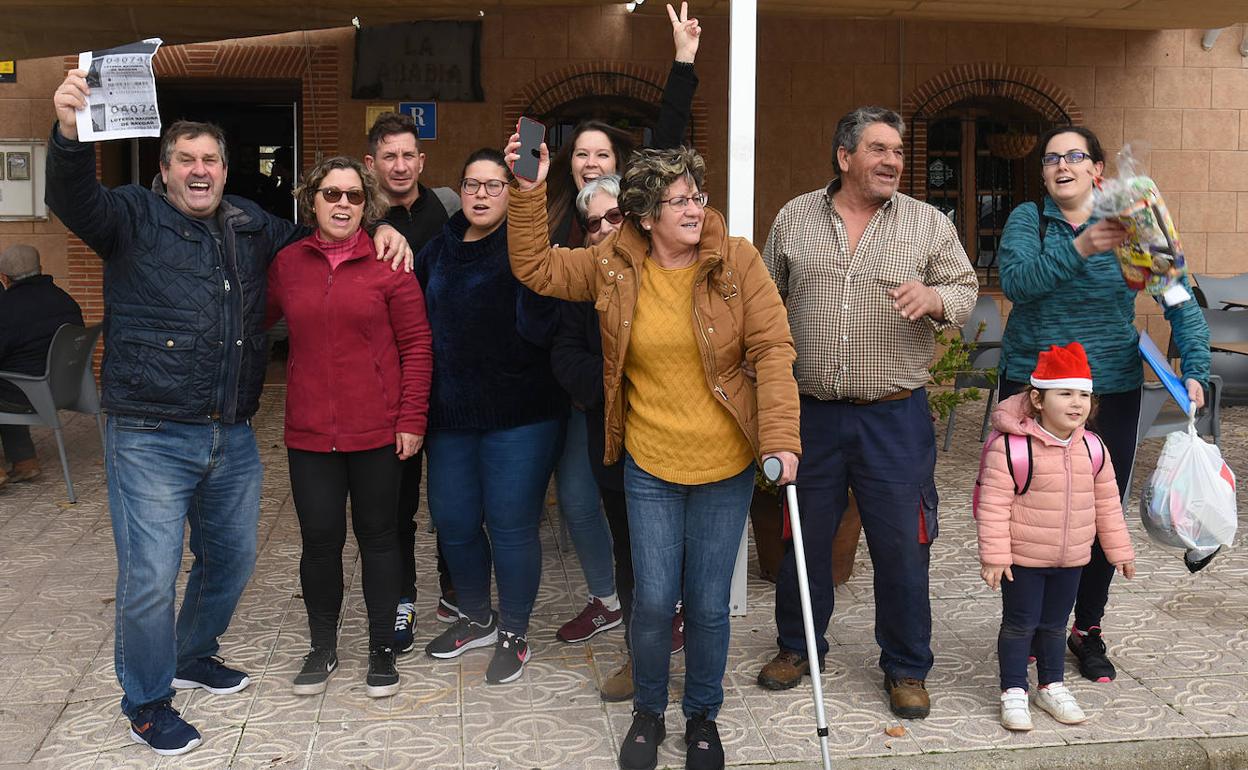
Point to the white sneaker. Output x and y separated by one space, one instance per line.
1060 703
1015 710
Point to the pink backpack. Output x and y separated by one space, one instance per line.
1018 458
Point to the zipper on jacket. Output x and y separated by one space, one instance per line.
1066 516
708 366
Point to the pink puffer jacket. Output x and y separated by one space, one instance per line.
1054 523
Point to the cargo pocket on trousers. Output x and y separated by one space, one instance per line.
929 519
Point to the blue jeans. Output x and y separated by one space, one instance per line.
161 475
492 480
692 531
886 453
580 504
1035 605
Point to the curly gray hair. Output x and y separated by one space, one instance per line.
650 173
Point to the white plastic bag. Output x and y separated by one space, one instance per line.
1190 498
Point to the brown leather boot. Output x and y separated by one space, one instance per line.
907 697
25 470
619 686
784 671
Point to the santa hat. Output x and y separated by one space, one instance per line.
1063 367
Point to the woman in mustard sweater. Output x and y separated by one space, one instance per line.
681 306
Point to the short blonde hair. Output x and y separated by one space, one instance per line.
375 203
650 173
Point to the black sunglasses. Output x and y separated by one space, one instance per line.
333 195
1072 157
614 216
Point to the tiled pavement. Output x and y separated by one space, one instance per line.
1180 641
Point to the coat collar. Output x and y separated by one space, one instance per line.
634 247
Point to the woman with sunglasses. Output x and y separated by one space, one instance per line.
681 305
357 396
495 414
1059 271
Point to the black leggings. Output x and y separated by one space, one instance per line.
320 482
1117 423
409 503
617 518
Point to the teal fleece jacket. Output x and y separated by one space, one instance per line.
1059 297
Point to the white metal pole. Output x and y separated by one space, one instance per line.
742 72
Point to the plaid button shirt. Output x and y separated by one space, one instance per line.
851 343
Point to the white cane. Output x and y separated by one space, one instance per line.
772 468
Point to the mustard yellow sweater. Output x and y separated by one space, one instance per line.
674 428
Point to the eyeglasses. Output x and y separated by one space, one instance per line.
1072 157
681 202
333 195
493 187
614 216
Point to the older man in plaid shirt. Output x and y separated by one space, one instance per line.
869 276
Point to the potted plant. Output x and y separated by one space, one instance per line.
766 511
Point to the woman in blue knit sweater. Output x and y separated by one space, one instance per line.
1059 270
495 415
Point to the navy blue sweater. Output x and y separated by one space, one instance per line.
491 336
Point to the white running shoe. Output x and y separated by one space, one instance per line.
1015 710
1060 703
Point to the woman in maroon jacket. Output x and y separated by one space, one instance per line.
357 397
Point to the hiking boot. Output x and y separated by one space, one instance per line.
382 679
640 747
159 726
404 626
1015 710
510 654
785 671
448 612
592 620
211 674
619 686
318 665
907 697
25 470
463 636
1089 648
678 629
1060 703
704 751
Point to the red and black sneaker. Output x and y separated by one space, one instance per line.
465 635
510 654
1089 648
592 620
678 629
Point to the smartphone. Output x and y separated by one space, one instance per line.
532 134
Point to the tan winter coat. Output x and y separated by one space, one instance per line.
737 312
1054 523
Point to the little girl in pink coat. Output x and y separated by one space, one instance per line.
1046 489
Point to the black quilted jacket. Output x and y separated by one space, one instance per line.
183 319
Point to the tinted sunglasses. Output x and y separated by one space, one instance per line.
614 216
333 195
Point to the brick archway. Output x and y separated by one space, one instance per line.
968 81
316 67
597 78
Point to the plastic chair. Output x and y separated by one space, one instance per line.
986 354
1210 291
1160 416
67 383
1229 326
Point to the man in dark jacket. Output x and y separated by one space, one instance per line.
184 361
32 308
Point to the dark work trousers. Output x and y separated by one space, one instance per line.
1035 604
617 518
886 453
320 482
15 439
1117 422
409 504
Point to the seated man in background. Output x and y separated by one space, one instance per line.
32 308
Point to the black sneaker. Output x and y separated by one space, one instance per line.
1089 648
1195 563
159 726
640 749
704 751
383 677
404 626
318 665
510 655
461 637
211 674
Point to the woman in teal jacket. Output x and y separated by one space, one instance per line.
1058 268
